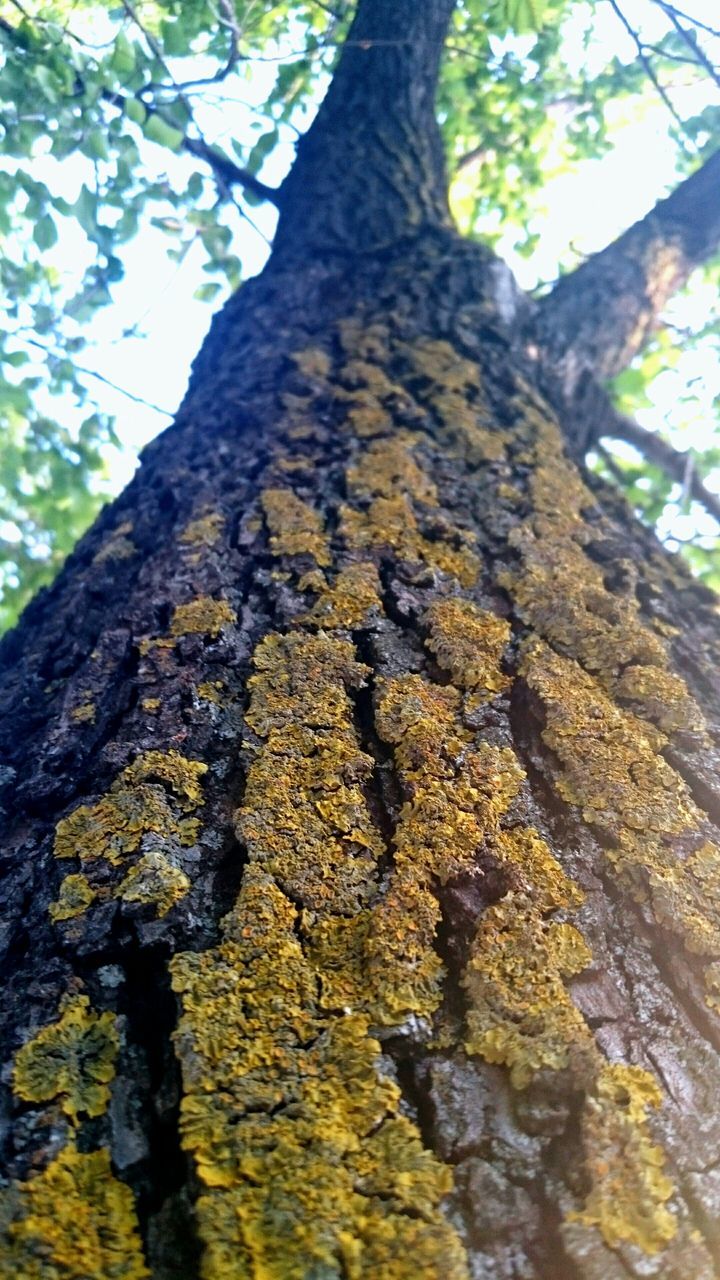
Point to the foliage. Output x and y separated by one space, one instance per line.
108 124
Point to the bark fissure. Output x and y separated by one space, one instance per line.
319 787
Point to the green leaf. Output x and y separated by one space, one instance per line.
174 38
158 130
520 16
206 292
45 232
95 145
123 56
135 111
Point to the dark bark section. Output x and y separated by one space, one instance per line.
513 1152
370 169
269 406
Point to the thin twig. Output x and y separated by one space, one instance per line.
677 465
701 57
230 173
92 373
650 70
673 9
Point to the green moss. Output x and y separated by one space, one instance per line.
73 1221
71 1060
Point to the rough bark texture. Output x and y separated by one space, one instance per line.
599 317
360 911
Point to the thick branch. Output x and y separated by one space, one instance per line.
370 169
676 464
597 319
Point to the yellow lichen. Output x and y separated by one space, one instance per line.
612 769
155 881
436 361
561 592
76 895
520 1011
135 806
210 690
458 795
204 531
295 528
151 705
450 387
71 1060
469 642
391 522
297 1136
313 362
203 616
347 603
85 713
178 773
629 1188
73 1221
387 467
114 826
118 545
304 814
307 1163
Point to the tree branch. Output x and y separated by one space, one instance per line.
231 174
600 316
649 69
676 464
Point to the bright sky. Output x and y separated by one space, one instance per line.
585 208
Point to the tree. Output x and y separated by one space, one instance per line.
115 118
359 774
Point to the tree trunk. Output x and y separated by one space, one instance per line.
360 915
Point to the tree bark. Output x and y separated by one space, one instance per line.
360 911
597 318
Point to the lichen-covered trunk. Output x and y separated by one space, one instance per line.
361 909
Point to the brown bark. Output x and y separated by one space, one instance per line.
407 934
600 316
